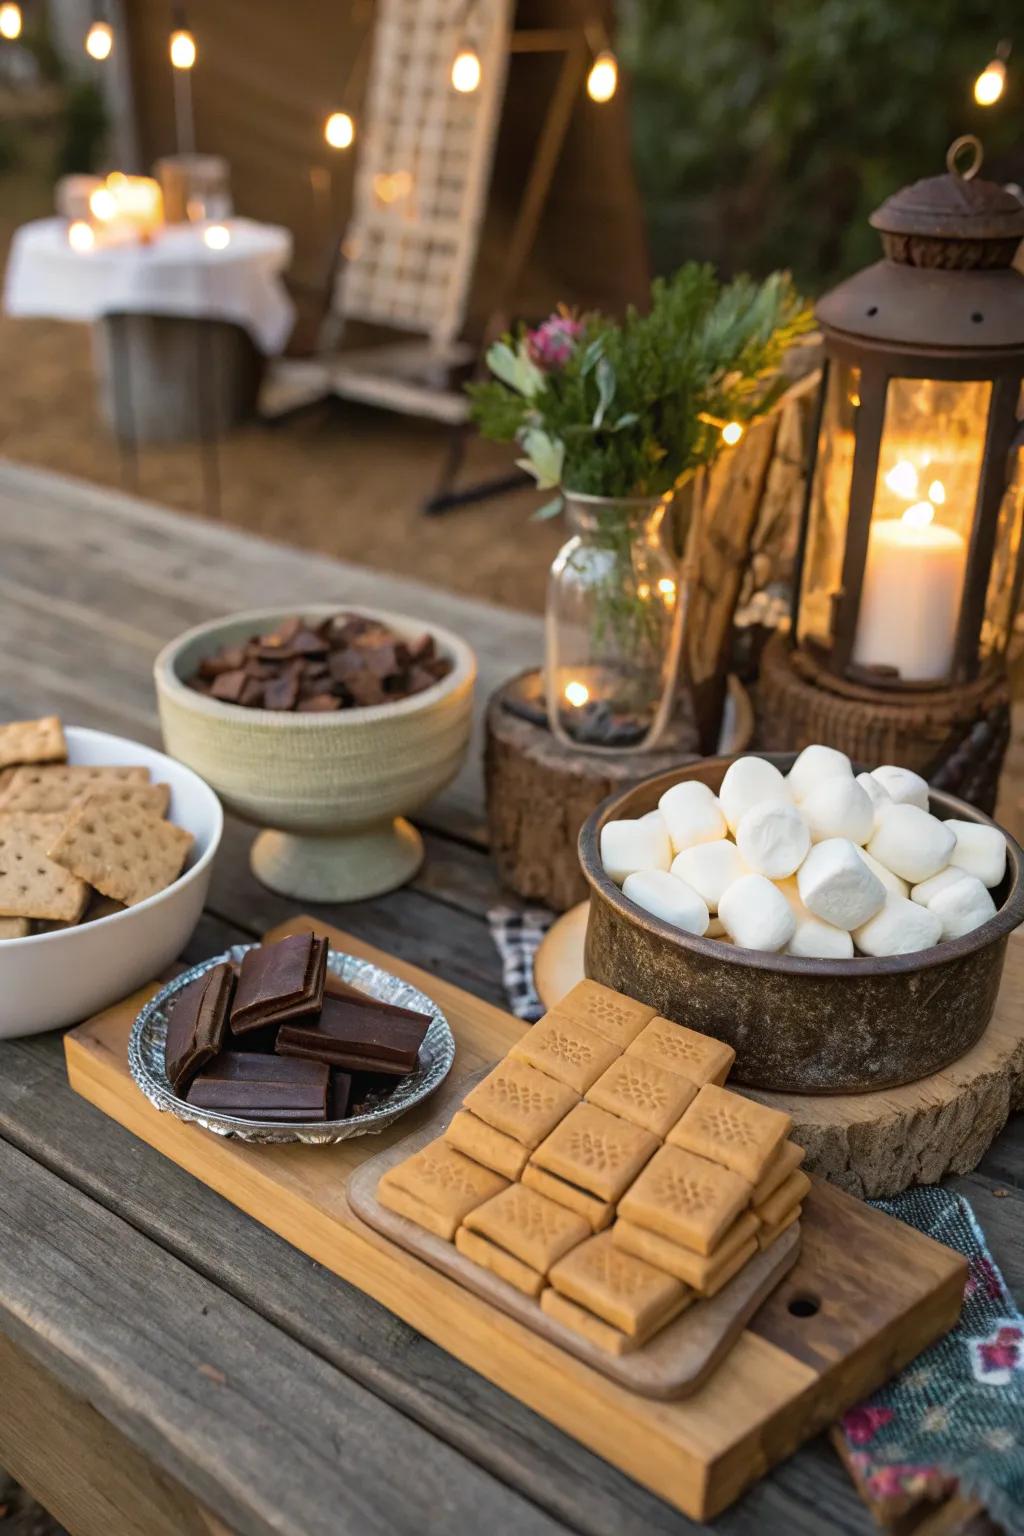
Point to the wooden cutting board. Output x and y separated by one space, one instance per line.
866 1295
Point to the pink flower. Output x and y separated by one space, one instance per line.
551 345
862 1424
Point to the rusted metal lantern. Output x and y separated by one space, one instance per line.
911 554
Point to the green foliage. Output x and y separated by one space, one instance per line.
764 135
84 128
622 416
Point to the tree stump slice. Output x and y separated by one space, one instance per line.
877 1144
539 794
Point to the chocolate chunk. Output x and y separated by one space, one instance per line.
317 704
283 692
421 649
262 1087
360 1036
252 693
197 1027
339 1094
280 981
228 660
229 686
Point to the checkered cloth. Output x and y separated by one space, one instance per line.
517 934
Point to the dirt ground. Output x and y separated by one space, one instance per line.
344 479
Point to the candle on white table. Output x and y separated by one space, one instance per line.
910 596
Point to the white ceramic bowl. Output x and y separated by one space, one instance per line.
332 789
59 978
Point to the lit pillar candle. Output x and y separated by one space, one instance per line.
910 597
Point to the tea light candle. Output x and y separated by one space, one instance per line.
910 598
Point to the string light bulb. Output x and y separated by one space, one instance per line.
466 69
731 433
183 48
81 236
99 40
340 130
991 83
103 205
577 694
10 20
603 79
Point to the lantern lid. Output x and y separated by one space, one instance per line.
956 221
894 304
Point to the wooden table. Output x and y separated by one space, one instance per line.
167 1365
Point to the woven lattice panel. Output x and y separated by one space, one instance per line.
424 167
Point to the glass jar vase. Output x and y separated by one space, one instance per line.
614 623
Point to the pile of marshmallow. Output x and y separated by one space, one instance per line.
820 863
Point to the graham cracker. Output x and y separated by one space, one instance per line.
695 1056
686 1198
31 883
61 785
499 1261
648 1095
122 850
154 798
536 1230
437 1187
786 1161
790 1194
701 1271
15 927
520 1101
731 1130
596 1151
610 1014
631 1295
32 741
565 1050
484 1144
768 1235
561 1310
598 1213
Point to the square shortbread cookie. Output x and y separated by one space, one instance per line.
520 1101
686 1198
596 1151
648 1095
565 1050
617 1018
697 1057
538 1231
631 1295
731 1130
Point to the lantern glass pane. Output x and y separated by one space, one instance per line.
1003 595
829 506
929 467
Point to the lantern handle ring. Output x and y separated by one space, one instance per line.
955 153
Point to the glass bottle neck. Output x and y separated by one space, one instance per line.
633 517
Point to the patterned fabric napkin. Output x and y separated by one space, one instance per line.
955 1416
517 934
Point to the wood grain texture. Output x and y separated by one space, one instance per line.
698 1454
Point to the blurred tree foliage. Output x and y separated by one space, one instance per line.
766 131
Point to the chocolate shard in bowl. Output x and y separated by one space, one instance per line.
198 1025
262 1087
339 1094
280 981
359 1036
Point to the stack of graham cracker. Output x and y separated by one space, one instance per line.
602 1168
77 841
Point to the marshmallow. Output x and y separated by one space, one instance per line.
838 807
814 766
910 842
962 906
891 882
836 885
813 939
902 785
875 791
692 814
756 915
747 781
668 898
710 868
980 850
627 846
772 838
924 892
900 928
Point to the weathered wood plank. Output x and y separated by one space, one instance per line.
271 1437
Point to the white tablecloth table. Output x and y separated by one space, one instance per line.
177 274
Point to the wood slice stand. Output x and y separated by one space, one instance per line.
539 793
876 1144
955 737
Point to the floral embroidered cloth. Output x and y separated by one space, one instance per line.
955 1416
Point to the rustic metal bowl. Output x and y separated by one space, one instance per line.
801 1026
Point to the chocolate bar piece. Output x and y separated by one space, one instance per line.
280 981
335 987
197 1025
339 1095
359 1036
262 1087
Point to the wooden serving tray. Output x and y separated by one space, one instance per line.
866 1295
672 1365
